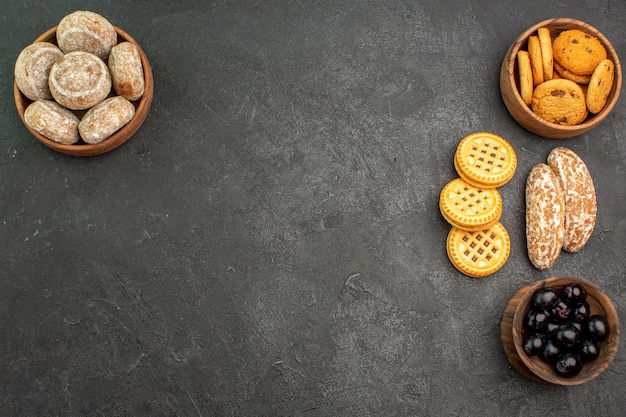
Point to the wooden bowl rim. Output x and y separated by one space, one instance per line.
142 106
600 297
509 64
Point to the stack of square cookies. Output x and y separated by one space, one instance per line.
478 244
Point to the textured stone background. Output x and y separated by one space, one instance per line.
269 243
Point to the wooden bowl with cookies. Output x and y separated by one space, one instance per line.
560 331
87 140
560 78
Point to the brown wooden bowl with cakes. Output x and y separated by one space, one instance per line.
83 87
560 78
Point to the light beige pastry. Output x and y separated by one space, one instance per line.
579 196
86 31
525 77
536 60
545 216
49 119
79 80
105 118
32 68
126 71
560 101
545 41
600 85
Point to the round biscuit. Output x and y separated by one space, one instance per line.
600 86
578 51
480 253
560 101
468 207
485 159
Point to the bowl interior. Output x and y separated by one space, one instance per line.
599 303
509 76
142 107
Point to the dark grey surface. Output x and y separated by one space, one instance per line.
269 242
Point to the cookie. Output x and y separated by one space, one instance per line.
525 76
569 75
468 207
126 71
578 52
485 160
86 31
105 118
79 80
600 85
560 101
545 216
547 60
579 197
536 60
480 253
49 119
32 68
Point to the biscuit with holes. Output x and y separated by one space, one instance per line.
468 207
578 52
525 74
560 101
480 253
545 41
485 159
600 86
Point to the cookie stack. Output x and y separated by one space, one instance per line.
566 79
560 207
478 244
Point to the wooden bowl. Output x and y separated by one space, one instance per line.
533 367
522 113
142 106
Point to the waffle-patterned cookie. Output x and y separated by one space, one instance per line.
485 160
480 253
469 207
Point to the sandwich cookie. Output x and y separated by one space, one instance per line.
468 207
485 160
479 253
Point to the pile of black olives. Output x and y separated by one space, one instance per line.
560 329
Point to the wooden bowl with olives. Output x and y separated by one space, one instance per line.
561 331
